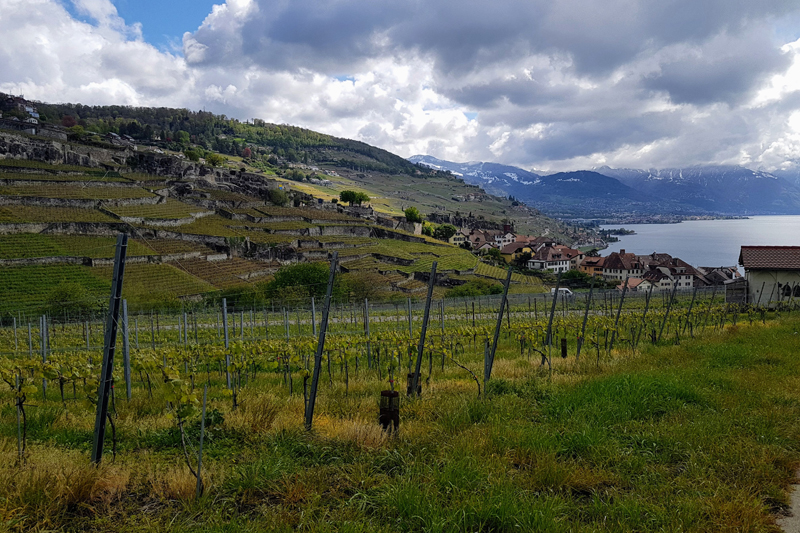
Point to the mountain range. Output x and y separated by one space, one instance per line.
605 191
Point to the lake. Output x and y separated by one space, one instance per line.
708 242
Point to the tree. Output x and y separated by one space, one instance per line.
444 232
73 298
302 280
426 230
68 121
361 198
191 155
183 137
215 160
247 153
278 197
348 196
412 215
494 255
522 259
476 287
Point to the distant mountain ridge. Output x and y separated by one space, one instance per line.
604 191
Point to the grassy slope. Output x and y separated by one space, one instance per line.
697 437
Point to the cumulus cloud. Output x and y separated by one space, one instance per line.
551 85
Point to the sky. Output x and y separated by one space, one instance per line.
547 85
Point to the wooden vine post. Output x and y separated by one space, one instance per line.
106 378
323 327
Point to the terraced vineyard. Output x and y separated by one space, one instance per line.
75 191
228 274
172 282
27 289
33 245
169 209
19 214
298 233
60 177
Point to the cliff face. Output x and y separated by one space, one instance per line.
16 146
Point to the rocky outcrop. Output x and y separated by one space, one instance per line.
56 152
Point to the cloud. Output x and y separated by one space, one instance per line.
552 85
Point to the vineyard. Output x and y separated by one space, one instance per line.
572 365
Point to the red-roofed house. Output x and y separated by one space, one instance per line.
772 273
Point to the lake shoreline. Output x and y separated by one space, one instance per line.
708 242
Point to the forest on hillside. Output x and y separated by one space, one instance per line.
179 128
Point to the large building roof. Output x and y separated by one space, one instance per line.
770 257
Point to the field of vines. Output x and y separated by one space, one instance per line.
249 370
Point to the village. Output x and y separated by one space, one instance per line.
659 272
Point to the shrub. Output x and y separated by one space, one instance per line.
412 215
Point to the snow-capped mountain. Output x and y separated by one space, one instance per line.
691 190
724 189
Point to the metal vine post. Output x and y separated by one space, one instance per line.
309 414
421 349
106 378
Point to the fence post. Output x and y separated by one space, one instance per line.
126 349
43 336
421 349
225 330
585 318
313 318
441 317
312 398
666 315
106 378
199 488
489 363
689 312
619 312
30 342
549 338
366 327
644 316
410 332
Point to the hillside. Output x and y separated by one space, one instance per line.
204 227
296 154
